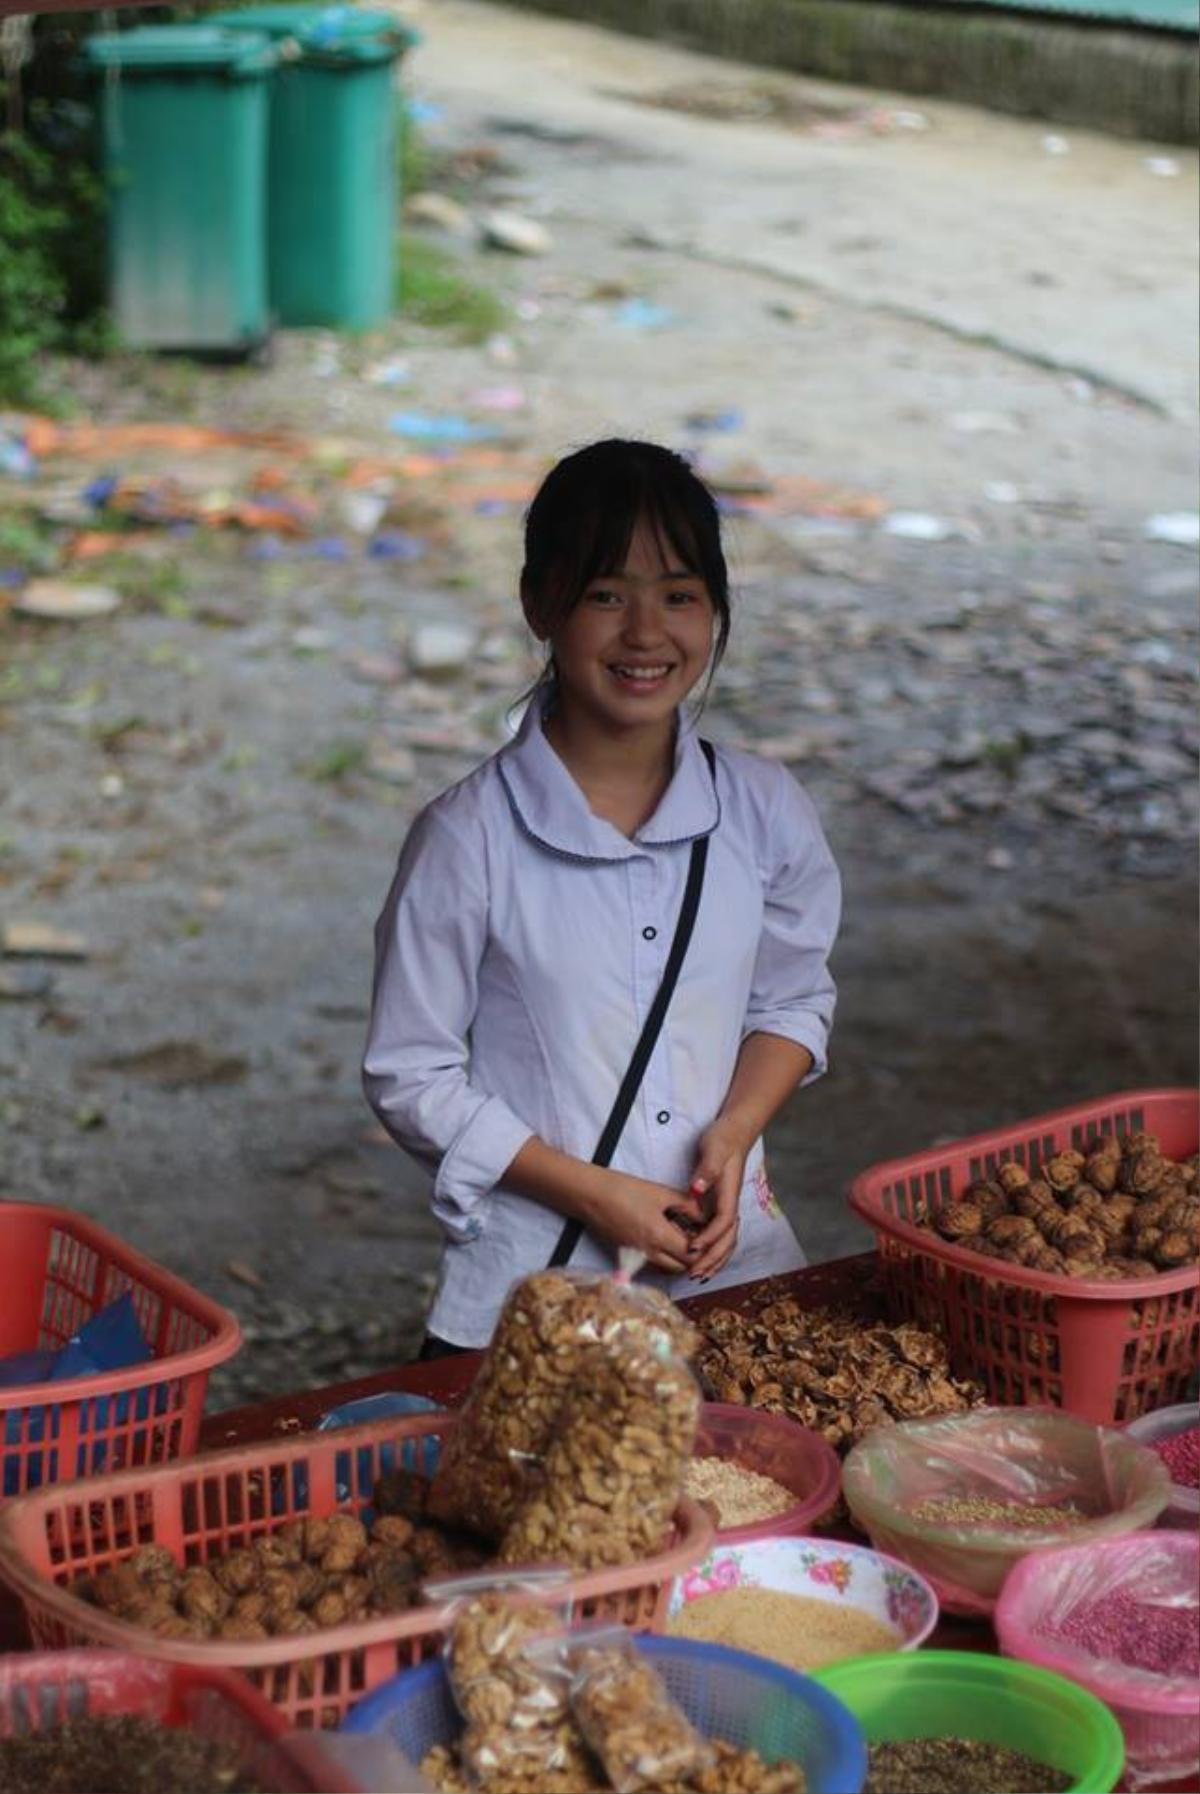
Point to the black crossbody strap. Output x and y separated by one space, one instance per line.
572 1231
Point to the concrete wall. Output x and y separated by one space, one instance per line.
1132 83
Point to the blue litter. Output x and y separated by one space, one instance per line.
641 314
330 548
721 422
425 112
15 459
268 547
387 1404
395 545
101 490
494 507
426 427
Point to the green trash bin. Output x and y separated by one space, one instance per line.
184 119
333 181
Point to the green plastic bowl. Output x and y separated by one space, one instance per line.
958 1694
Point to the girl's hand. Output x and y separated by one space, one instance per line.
632 1211
718 1177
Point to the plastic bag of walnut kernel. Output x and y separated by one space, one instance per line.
551 1325
514 1699
613 1468
630 1723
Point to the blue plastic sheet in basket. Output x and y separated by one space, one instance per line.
354 1472
111 1340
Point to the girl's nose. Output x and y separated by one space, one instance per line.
643 620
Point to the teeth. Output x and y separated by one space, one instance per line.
641 672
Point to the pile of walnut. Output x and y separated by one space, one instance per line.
828 1369
1122 1210
308 1575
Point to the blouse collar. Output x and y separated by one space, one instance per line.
551 807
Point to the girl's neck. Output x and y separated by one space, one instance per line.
622 776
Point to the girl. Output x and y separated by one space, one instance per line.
541 912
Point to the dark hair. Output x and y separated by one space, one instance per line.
585 511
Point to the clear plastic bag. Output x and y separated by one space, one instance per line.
1122 1618
551 1324
944 1494
629 1721
614 1464
515 1700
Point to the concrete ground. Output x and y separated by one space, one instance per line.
957 350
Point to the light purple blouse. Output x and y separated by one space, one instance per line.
519 948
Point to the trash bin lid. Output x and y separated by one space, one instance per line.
326 33
167 47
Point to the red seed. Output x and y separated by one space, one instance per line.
1120 1628
1180 1452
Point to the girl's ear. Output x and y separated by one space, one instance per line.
532 610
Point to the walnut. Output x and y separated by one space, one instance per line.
1063 1170
1081 1267
118 1586
201 1596
392 1530
394 1582
355 1592
989 1198
274 1553
307 1582
154 1563
401 1494
330 1609
1082 1200
1147 1241
293 1624
237 1573
1174 1249
148 1610
1145 1171
1011 1178
290 1539
251 1606
959 1220
237 1630
1008 1229
1069 1233
1102 1167
1036 1201
317 1538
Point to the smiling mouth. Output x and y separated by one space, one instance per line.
641 678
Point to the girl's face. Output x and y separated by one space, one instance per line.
637 641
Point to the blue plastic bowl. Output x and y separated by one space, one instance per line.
726 1694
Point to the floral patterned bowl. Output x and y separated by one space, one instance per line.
823 1570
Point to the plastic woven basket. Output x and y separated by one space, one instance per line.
225 1500
1106 1351
58 1269
1151 1429
726 1694
39 1692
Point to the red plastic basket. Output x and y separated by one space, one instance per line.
224 1500
790 1454
58 1269
39 1691
1108 1352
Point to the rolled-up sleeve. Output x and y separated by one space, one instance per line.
792 993
429 943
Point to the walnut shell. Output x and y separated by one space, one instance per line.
236 1630
154 1563
392 1529
989 1198
201 1596
330 1609
251 1606
1145 1171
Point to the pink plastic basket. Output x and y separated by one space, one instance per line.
1161 1725
1105 1351
225 1500
38 1692
58 1269
774 1446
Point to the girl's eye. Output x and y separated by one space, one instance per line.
682 597
603 597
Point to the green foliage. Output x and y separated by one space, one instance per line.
33 294
431 289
